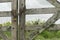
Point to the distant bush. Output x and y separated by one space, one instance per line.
36 22
47 34
39 37
7 24
58 34
0 25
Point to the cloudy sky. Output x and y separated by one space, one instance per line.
29 5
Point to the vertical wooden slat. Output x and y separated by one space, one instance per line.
14 19
22 26
21 20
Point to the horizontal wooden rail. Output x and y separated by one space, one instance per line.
5 14
41 11
36 27
5 1
31 11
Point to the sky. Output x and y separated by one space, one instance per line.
29 5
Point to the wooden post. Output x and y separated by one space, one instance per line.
14 19
21 20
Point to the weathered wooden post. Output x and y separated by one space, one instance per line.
14 19
21 20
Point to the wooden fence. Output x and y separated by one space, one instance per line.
19 9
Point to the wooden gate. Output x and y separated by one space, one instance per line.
19 9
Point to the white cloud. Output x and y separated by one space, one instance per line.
37 4
5 6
